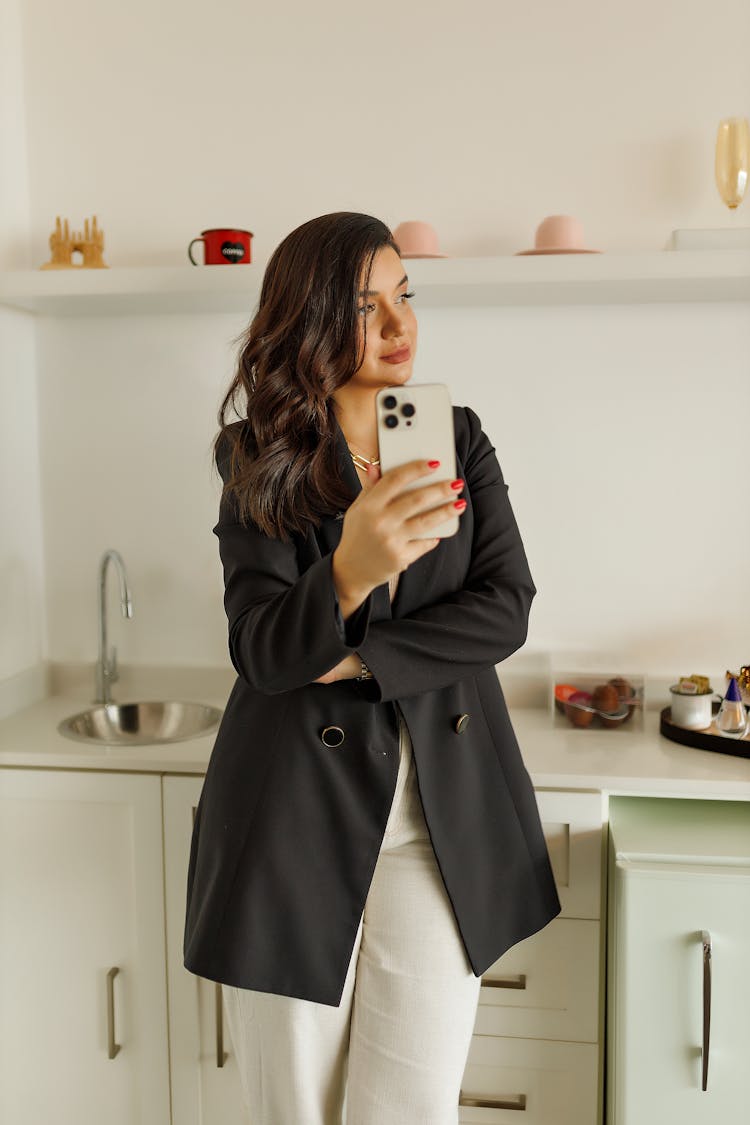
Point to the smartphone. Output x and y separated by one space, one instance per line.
416 422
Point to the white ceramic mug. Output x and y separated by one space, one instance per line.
692 711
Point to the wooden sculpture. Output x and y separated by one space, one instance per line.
64 245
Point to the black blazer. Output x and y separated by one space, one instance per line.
288 830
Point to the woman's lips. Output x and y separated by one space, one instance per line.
397 357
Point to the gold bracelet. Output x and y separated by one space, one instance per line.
365 673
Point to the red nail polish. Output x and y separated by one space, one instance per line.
433 464
457 485
460 505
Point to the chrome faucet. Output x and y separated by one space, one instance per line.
106 665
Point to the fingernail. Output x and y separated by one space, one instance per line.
433 464
459 505
457 485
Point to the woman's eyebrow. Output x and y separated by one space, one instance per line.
376 292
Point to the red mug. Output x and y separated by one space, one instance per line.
223 246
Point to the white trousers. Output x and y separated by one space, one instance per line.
394 1051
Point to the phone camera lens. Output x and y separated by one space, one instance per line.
390 402
407 409
391 421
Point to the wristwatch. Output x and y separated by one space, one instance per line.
364 672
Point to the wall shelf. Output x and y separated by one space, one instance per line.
654 276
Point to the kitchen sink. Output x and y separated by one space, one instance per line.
141 724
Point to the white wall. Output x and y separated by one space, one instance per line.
15 252
21 578
621 429
482 117
622 432
128 416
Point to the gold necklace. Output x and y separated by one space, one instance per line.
361 461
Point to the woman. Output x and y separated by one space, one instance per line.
367 841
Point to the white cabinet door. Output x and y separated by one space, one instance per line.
656 1003
679 906
205 1080
81 895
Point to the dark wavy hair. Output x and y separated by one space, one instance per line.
305 341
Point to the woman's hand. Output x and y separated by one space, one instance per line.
379 529
347 669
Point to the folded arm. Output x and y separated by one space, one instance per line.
480 624
286 628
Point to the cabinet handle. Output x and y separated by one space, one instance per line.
513 1101
112 1047
706 940
518 981
221 1057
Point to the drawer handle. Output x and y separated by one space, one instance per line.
514 1101
221 1057
706 940
517 981
112 1047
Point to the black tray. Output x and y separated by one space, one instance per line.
703 739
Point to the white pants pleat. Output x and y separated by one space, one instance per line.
394 1051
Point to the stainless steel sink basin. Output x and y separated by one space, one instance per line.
138 724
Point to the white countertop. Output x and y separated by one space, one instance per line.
29 737
634 759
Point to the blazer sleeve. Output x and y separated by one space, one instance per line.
480 624
285 628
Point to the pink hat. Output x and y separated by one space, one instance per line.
559 234
417 240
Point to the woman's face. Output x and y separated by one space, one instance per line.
390 339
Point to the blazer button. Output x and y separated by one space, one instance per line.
461 724
332 737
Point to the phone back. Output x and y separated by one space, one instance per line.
417 422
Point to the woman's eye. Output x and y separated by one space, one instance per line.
365 309
406 296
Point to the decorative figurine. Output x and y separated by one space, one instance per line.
732 719
743 682
63 244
